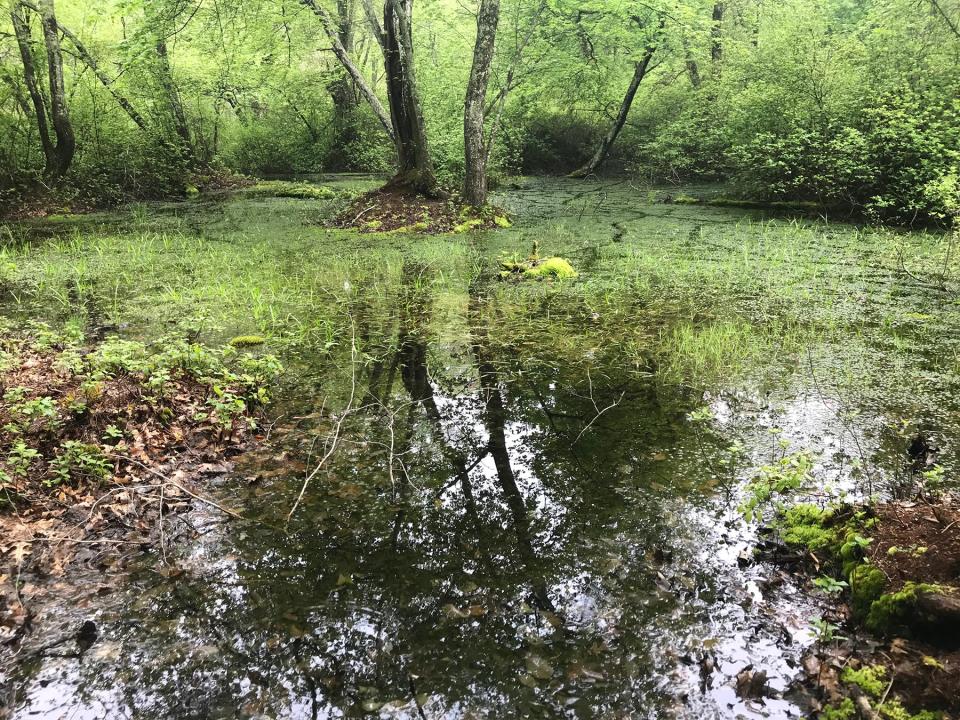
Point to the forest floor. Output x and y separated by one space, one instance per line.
105 447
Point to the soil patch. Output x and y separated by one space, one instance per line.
877 657
388 209
918 542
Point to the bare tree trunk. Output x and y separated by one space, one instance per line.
343 90
91 63
716 33
476 151
22 31
639 72
174 102
329 27
414 165
59 114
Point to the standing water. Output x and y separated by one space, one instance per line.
516 499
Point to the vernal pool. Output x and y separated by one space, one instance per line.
528 506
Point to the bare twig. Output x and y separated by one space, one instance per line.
335 437
596 408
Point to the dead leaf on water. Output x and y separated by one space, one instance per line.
539 667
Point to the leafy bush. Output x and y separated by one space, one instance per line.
900 163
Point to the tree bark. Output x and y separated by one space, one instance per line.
174 102
475 150
59 114
22 31
342 90
639 72
716 33
414 165
329 27
91 63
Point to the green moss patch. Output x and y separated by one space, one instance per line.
555 267
241 341
866 587
809 526
890 610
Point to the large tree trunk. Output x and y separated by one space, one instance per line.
476 151
22 31
59 115
87 58
414 165
342 90
600 156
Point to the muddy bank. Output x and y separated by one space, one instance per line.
889 641
103 449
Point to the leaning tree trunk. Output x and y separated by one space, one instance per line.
476 151
600 156
62 128
330 28
414 165
22 32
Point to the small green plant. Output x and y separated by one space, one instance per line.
701 415
226 406
933 479
15 395
830 585
824 630
20 457
41 408
112 433
774 481
77 459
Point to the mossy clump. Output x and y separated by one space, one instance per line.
889 610
469 224
684 199
303 191
843 711
241 341
287 189
872 679
866 587
807 525
556 267
894 710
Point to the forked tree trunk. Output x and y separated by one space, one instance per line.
476 151
414 165
342 90
22 32
59 114
600 156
